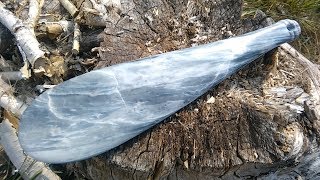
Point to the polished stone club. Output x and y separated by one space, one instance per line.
97 111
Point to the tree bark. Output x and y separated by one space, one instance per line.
263 121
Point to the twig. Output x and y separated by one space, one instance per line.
76 39
28 167
71 8
11 75
8 101
23 34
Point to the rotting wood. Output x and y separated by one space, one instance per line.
310 67
90 40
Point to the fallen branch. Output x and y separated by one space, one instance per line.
71 8
28 167
23 34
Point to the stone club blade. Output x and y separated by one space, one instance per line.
97 111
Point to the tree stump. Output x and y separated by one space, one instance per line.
261 122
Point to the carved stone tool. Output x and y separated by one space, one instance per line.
97 111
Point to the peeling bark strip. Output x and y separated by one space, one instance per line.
28 167
23 34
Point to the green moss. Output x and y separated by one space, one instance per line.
306 12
